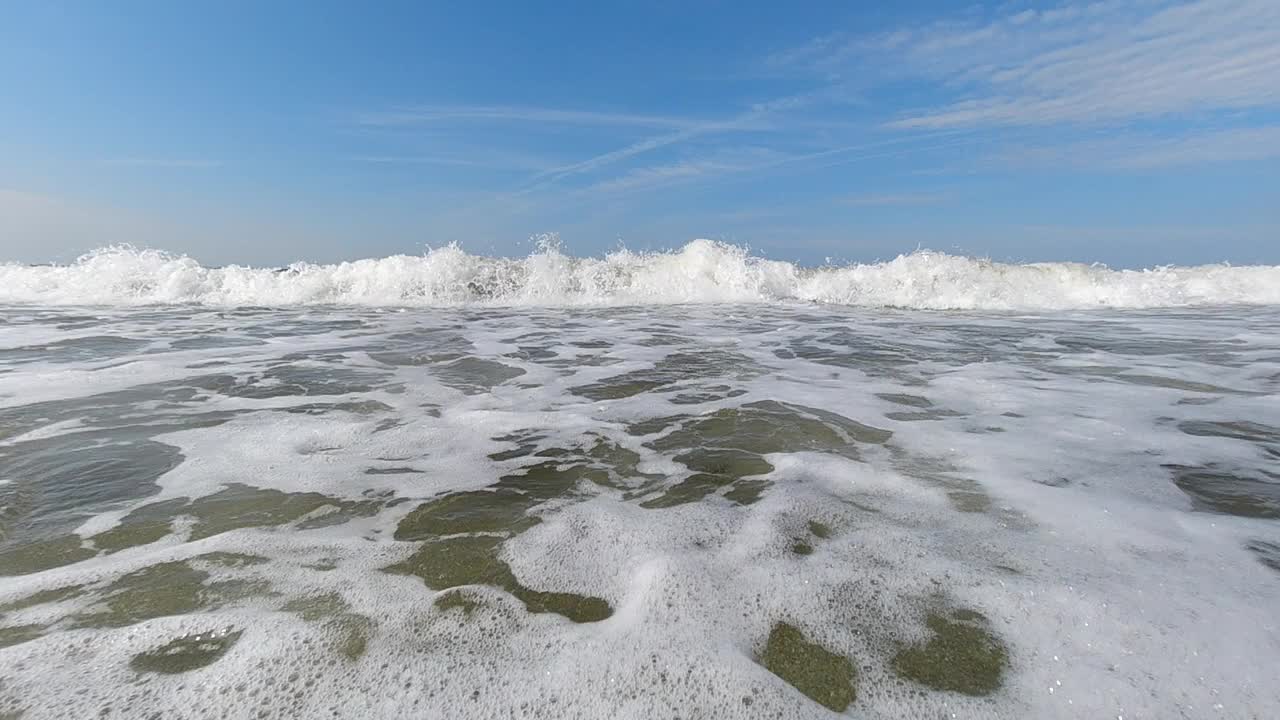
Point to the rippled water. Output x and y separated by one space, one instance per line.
676 511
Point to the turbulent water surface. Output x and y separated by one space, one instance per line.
656 511
700 272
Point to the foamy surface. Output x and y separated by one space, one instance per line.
711 510
701 272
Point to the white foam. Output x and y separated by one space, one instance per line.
1113 598
702 271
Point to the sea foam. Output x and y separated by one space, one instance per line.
703 271
1034 479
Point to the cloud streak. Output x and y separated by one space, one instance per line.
1006 88
726 162
430 114
169 163
747 121
476 159
914 199
1079 63
1137 153
759 117
1107 66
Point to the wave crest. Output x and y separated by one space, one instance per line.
703 271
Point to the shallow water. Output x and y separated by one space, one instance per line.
662 511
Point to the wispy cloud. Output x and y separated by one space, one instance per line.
818 51
757 118
1076 63
1086 65
1258 143
1001 87
744 122
162 162
894 199
1135 152
427 114
743 160
624 153
478 159
678 130
725 162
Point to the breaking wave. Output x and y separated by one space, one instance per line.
702 271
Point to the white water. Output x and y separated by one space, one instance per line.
702 271
1115 594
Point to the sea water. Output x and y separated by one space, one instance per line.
695 484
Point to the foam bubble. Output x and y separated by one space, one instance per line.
924 480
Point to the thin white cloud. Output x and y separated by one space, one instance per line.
679 130
893 199
1135 152
418 160
745 121
875 149
427 114
816 50
161 162
743 160
478 159
624 153
1106 65
722 163
756 118
1258 143
1080 62
658 176
1011 69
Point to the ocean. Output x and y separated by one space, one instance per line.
694 484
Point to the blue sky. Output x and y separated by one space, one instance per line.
1132 133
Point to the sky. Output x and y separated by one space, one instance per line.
1132 133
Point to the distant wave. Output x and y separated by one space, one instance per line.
701 272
